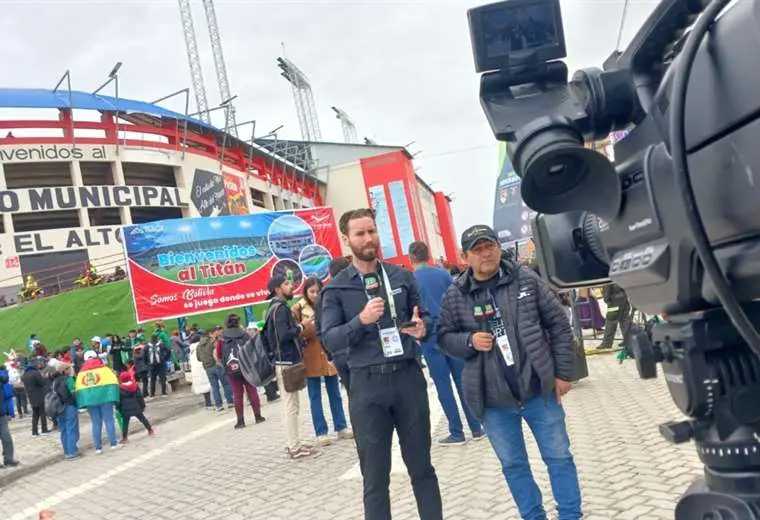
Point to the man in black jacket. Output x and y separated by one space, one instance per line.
283 336
517 344
372 310
339 358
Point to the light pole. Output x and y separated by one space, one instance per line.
113 76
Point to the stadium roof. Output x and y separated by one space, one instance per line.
44 98
140 112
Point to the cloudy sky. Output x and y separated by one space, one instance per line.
403 70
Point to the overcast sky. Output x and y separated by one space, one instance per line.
402 70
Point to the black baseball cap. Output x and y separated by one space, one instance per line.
474 234
274 282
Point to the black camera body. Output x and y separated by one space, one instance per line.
679 207
625 222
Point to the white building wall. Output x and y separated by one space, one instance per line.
105 241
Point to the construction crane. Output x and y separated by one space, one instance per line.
349 130
221 68
196 74
304 99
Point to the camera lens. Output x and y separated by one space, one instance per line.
560 175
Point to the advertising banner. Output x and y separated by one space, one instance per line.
234 190
181 267
511 216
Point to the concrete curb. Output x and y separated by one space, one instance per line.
23 470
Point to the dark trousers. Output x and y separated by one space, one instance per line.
38 414
617 313
6 440
239 384
272 391
381 403
143 376
22 403
345 374
140 417
157 372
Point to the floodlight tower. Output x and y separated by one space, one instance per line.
304 99
219 65
349 130
196 74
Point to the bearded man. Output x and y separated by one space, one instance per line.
373 311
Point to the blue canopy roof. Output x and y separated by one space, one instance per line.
43 98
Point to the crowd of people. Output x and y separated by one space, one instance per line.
495 334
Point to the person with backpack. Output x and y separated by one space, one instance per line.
283 337
131 404
60 402
214 370
234 339
156 355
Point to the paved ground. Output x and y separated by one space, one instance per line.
40 452
199 467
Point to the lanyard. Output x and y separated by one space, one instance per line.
389 291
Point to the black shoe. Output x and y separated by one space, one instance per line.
11 464
240 426
260 419
479 436
273 399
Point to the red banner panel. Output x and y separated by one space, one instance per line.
181 267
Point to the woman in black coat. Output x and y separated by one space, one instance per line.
36 385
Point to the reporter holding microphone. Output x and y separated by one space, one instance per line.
515 338
373 311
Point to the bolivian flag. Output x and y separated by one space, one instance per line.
96 386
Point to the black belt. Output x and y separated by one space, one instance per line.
391 367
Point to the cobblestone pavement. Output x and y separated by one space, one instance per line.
198 467
39 452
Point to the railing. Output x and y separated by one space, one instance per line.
59 279
177 138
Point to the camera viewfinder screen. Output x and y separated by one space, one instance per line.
510 30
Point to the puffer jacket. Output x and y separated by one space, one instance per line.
536 325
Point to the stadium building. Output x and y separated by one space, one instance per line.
84 165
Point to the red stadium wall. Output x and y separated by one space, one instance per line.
392 187
393 190
446 224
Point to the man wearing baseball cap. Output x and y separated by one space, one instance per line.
517 344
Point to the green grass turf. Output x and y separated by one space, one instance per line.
85 313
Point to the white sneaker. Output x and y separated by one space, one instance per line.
324 440
98 452
116 447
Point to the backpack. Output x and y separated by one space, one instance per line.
231 356
53 403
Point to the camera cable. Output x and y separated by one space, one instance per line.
681 170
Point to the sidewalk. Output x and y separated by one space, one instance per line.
36 453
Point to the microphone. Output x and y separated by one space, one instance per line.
479 313
372 286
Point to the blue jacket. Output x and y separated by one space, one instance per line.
433 282
3 382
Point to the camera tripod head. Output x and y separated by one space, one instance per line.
714 379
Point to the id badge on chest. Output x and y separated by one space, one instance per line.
390 338
506 350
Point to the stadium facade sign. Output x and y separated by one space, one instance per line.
74 197
51 153
69 239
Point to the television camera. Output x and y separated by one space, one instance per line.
675 220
